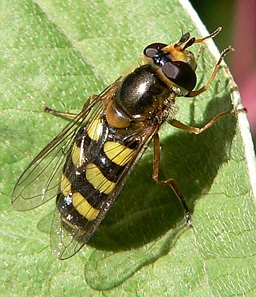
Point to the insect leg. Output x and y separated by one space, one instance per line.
59 113
196 130
169 182
204 88
68 114
212 35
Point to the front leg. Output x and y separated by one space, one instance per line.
196 130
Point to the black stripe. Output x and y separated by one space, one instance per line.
94 152
69 212
109 169
79 183
94 197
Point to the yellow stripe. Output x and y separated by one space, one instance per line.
98 180
95 129
118 153
78 157
65 185
83 207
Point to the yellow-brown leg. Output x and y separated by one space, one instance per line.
196 130
59 113
212 35
204 88
169 182
68 114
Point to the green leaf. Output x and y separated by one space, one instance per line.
58 53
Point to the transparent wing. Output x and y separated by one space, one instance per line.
40 181
65 244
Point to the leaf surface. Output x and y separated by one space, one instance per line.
58 53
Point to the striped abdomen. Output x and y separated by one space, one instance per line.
92 170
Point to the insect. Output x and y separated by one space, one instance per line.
86 166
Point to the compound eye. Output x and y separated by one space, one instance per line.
151 50
180 73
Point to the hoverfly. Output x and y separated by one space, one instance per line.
87 164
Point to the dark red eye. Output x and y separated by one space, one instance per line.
152 49
180 73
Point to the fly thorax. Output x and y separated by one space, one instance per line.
141 93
